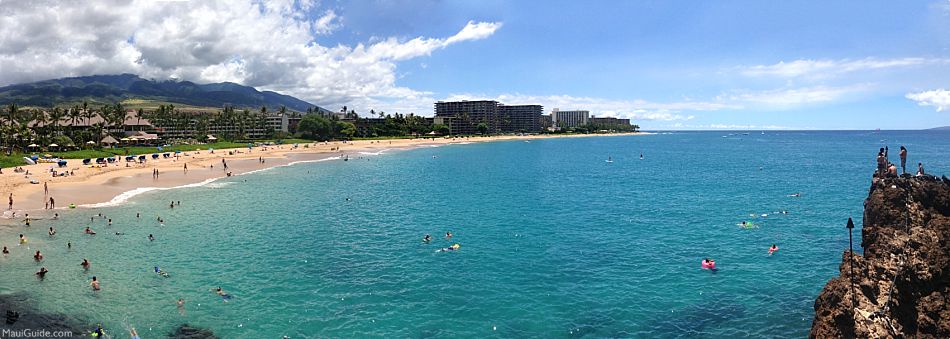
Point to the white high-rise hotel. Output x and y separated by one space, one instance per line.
563 119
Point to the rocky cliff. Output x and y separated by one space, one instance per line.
902 282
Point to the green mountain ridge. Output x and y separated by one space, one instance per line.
107 89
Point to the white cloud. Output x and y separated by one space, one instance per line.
793 97
327 23
826 68
271 45
939 98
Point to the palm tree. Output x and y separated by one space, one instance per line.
138 116
118 116
12 111
55 116
38 118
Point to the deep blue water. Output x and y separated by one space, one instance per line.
555 242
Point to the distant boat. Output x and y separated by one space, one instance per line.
609 159
763 132
641 155
346 158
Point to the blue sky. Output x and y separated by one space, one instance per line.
669 52
667 65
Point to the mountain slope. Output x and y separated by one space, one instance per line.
107 89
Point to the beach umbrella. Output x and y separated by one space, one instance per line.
90 142
33 145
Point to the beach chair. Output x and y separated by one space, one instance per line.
130 158
141 158
86 161
165 155
100 160
61 163
110 160
155 156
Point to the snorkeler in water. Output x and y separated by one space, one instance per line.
427 238
220 292
160 272
450 248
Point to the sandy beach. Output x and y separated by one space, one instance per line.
93 185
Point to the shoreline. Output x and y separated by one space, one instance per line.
115 183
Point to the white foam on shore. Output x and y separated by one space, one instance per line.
125 196
288 164
375 153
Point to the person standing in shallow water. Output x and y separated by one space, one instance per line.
903 155
94 284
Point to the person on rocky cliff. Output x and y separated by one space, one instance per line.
920 170
881 163
903 155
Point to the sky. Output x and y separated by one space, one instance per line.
667 65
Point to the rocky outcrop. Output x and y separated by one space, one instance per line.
902 282
17 314
187 332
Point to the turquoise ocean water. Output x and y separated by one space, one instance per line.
555 242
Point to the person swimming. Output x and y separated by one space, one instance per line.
427 238
85 264
451 248
151 237
160 272
89 231
448 235
708 264
23 240
5 250
794 195
51 232
42 272
94 284
38 256
220 292
134 334
99 332
119 233
773 249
